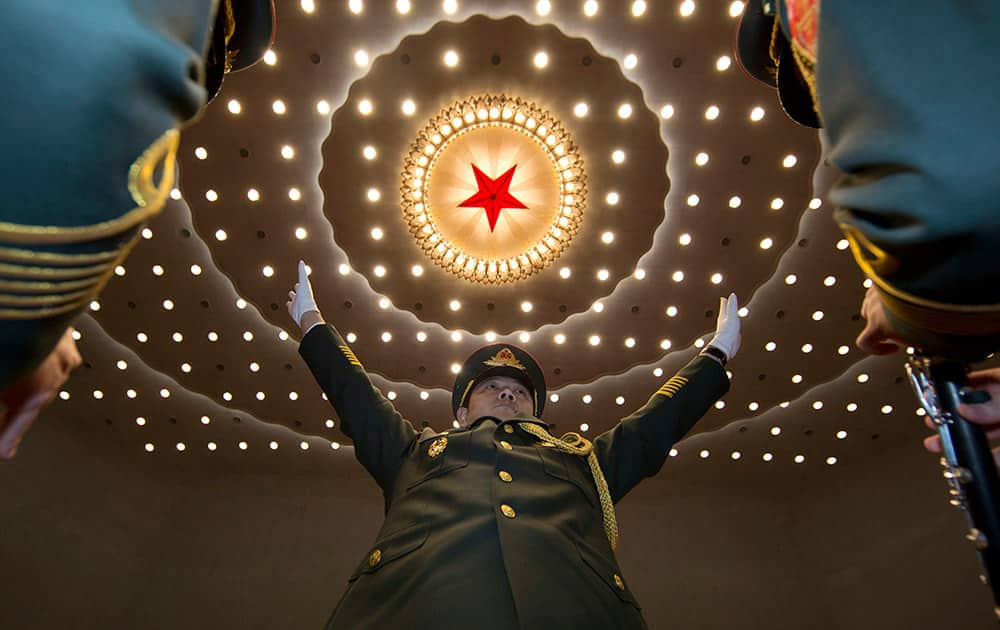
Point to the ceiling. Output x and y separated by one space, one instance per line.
191 357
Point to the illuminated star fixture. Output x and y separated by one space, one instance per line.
493 195
457 219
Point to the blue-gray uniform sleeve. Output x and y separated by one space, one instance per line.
639 444
380 434
909 95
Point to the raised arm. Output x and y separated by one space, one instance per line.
379 432
639 444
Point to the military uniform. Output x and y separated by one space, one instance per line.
907 95
492 526
95 94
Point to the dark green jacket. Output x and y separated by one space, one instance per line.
446 556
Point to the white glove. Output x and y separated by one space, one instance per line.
727 328
300 299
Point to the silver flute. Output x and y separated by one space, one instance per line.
973 483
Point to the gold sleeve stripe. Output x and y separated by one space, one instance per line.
31 286
672 386
42 300
53 273
351 358
14 254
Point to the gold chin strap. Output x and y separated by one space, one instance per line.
576 444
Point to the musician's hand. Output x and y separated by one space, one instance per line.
21 403
986 413
878 337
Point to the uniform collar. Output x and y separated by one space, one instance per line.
499 422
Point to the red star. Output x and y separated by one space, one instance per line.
493 195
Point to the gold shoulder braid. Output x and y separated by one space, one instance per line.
57 283
576 444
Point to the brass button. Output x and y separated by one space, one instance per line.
437 447
508 428
619 582
375 557
503 474
507 511
506 444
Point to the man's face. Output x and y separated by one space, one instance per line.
502 397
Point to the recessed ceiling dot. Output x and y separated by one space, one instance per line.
716 278
678 276
777 203
842 350
247 336
526 307
234 106
736 8
703 453
817 405
242 446
699 343
886 409
796 378
590 8
829 281
867 283
687 8
141 337
542 7
770 346
639 274
278 107
287 152
361 58
456 368
767 457
799 459
454 305
722 63
95 306
451 58
220 235
841 434
456 336
624 110
565 273
587 399
735 202
775 430
630 342
789 161
862 378
817 315
373 194
541 59
618 156
164 393
403 6
365 107
756 114
267 271
815 203
524 337
241 303
657 372
379 271
119 271
612 198
559 338
270 58
580 109
294 194
408 107
369 152
211 195
201 153
598 306
791 279
308 6
665 344
672 310
607 237
667 112
701 159
323 107
149 447
842 244
693 200
630 61
712 112
351 337
226 396
383 303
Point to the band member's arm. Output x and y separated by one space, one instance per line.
637 446
380 434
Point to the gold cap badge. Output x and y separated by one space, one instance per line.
505 358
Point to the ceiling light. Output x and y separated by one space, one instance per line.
789 161
559 338
294 194
799 459
723 63
456 336
638 8
766 243
665 344
678 276
300 233
308 5
220 235
672 310
356 6
815 203
716 278
278 106
624 110
607 237
687 8
268 271
403 6
735 202
667 111
365 107
211 195
598 306
541 60
580 109
201 153
542 7
373 194
618 156
693 200
594 340
736 8
630 61
451 59
791 279
587 399
712 112
369 152
612 198
454 305
590 8
701 159
639 274
377 233
386 337
630 342
351 337
409 107
234 106
526 307
565 273
323 107
379 271
343 269
524 337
